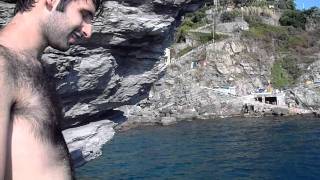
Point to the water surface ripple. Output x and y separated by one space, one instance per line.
251 148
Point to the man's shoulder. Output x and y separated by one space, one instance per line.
3 58
5 55
9 59
6 62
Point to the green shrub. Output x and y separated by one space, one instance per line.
313 15
198 17
206 37
184 51
297 41
313 11
286 4
228 16
279 76
191 21
183 30
220 37
266 32
253 20
285 72
293 18
256 3
201 37
289 63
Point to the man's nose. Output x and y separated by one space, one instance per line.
86 30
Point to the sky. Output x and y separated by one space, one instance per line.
307 3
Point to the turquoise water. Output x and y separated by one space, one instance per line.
252 148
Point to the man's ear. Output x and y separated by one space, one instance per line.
50 4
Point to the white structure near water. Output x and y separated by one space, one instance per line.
270 98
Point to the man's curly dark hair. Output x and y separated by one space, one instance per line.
26 5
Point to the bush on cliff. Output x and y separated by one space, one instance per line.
282 4
286 4
183 30
289 63
313 12
293 18
206 37
184 51
228 16
285 72
260 31
191 21
279 76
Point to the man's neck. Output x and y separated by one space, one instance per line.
24 35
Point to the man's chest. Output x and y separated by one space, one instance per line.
35 98
34 92
35 104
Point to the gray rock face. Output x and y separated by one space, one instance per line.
6 11
204 84
313 22
308 95
120 62
280 111
312 73
232 27
85 142
168 121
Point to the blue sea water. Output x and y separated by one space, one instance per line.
248 148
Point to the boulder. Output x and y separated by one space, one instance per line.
278 111
85 142
165 121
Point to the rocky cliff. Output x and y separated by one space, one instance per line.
197 85
122 69
115 68
121 61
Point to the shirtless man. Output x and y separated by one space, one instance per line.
31 143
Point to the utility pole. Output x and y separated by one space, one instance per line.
213 18
242 10
214 12
214 8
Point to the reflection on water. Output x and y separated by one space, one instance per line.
251 148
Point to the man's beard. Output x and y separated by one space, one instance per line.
57 34
61 45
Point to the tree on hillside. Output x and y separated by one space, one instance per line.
225 3
253 2
239 3
313 12
286 4
293 18
282 4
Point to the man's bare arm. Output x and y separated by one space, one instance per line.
5 106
